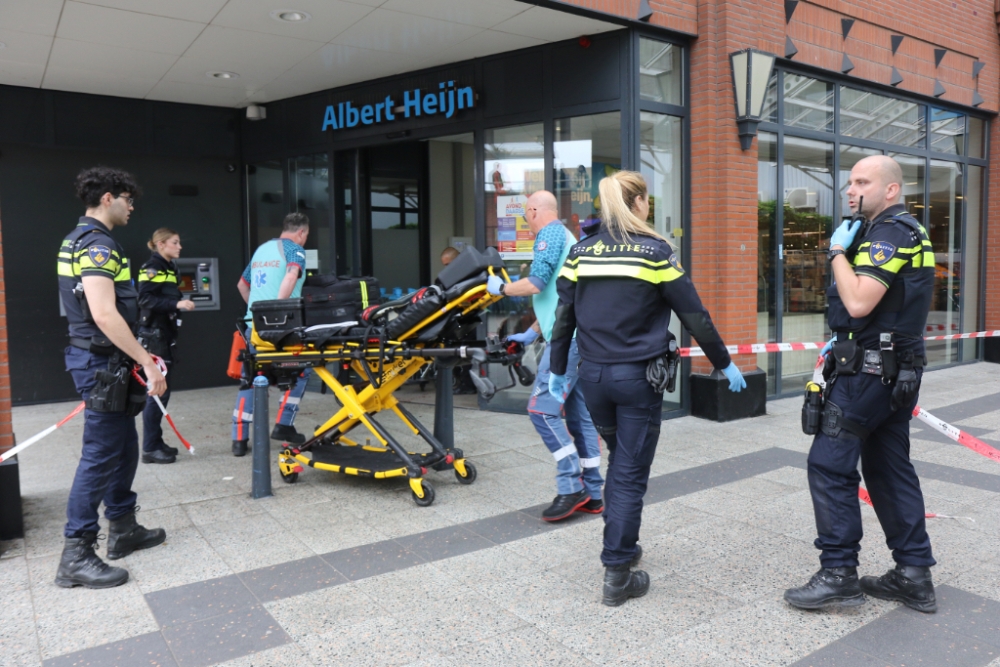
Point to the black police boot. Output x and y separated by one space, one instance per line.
287 434
564 505
621 583
637 557
80 566
239 447
169 450
908 584
158 456
593 506
830 587
125 535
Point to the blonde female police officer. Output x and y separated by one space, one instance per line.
160 301
617 289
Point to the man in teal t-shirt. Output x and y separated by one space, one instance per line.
573 443
276 271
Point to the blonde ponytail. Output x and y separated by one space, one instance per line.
161 235
618 193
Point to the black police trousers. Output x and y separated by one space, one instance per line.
888 473
626 412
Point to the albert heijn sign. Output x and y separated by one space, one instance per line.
447 100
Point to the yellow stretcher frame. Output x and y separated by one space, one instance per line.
359 407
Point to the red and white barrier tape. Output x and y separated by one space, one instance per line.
170 420
757 348
38 436
957 434
863 495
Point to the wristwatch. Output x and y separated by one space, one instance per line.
833 253
502 285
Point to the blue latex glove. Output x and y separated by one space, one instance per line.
526 338
844 235
828 346
493 284
736 381
557 387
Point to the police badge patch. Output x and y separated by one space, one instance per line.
150 273
99 254
881 252
674 262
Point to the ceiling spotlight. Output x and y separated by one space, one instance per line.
290 15
223 75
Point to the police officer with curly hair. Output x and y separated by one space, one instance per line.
100 300
883 271
616 290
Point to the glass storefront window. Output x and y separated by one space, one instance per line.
767 251
586 149
972 257
661 77
309 178
976 137
451 162
660 161
266 203
947 132
808 103
945 230
866 115
914 169
808 223
769 112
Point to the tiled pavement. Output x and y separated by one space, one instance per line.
341 571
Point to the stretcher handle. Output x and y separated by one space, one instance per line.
489 270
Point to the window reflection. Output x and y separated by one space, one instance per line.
660 72
945 231
808 223
767 252
808 103
914 169
769 112
310 180
947 131
867 115
586 149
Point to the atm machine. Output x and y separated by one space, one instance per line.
198 280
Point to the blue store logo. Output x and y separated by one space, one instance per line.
447 100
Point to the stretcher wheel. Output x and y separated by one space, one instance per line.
428 495
290 478
470 474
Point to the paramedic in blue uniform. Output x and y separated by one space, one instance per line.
101 304
883 270
574 442
616 290
276 271
160 303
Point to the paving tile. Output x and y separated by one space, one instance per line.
524 647
18 637
839 654
213 640
379 642
444 543
14 574
288 655
677 651
195 602
148 649
291 578
324 611
510 526
905 640
964 613
371 559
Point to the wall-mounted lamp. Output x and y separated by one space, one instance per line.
751 72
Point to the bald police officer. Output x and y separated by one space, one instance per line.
883 271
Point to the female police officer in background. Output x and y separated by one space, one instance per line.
160 300
617 289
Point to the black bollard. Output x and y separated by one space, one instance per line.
261 440
444 403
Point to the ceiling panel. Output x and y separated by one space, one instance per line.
36 16
86 80
481 13
329 17
255 56
23 47
486 43
190 93
552 26
201 11
21 74
131 30
332 66
109 61
383 30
